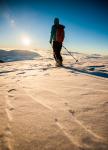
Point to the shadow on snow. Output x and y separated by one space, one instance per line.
95 73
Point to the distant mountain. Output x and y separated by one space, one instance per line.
17 55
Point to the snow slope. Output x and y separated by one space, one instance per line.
47 108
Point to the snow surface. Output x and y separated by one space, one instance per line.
47 108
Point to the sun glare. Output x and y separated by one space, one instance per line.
26 40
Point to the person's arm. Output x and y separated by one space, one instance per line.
52 34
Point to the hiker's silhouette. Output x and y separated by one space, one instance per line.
57 37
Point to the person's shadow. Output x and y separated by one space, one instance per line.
94 73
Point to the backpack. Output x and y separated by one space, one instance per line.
60 33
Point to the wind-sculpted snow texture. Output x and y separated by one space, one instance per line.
43 107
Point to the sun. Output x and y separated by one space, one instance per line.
25 40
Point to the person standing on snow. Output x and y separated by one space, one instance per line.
57 37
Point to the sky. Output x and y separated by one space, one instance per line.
26 24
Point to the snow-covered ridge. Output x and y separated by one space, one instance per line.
17 55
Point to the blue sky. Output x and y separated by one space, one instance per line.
86 23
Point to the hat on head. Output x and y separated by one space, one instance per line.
56 21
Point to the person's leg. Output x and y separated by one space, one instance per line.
55 50
59 53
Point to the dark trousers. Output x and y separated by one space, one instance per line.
56 50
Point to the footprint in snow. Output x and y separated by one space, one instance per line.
20 73
11 108
46 74
11 95
72 112
56 120
66 104
12 90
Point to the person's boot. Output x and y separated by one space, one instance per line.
58 63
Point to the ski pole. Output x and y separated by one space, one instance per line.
70 53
